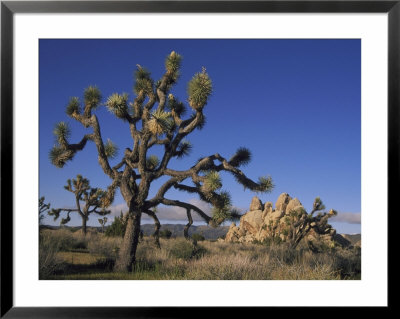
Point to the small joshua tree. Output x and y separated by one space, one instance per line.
95 201
299 223
103 222
43 208
155 117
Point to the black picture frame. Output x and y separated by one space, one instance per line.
9 8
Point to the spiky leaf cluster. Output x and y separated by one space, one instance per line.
174 105
55 213
173 62
152 162
65 220
58 156
172 65
92 96
80 183
332 212
62 132
222 209
183 149
242 157
74 106
118 105
199 90
318 205
266 184
160 122
110 149
143 81
235 215
212 182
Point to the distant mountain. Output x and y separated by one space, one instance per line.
353 238
177 230
208 232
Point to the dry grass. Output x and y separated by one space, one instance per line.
180 259
79 258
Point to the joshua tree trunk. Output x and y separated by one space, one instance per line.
84 226
157 227
187 226
127 253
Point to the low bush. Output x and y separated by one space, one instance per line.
166 233
198 237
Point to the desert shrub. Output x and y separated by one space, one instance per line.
347 263
183 249
104 246
270 241
49 263
166 233
198 237
117 228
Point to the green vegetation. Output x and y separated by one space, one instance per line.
198 237
180 259
117 228
166 233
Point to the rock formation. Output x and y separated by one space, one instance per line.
288 222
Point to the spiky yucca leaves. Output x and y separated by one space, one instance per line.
212 182
160 122
266 183
152 162
110 149
59 157
172 65
174 105
42 208
242 157
118 105
318 205
80 183
55 213
332 212
62 132
74 106
222 209
235 215
65 220
183 149
199 90
143 81
92 97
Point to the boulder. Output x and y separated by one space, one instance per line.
233 234
267 209
262 222
293 205
251 222
256 204
282 201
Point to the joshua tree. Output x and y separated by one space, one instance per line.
102 222
95 201
299 223
42 208
155 117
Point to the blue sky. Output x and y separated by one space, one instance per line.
296 104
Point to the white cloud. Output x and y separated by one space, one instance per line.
116 210
350 218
